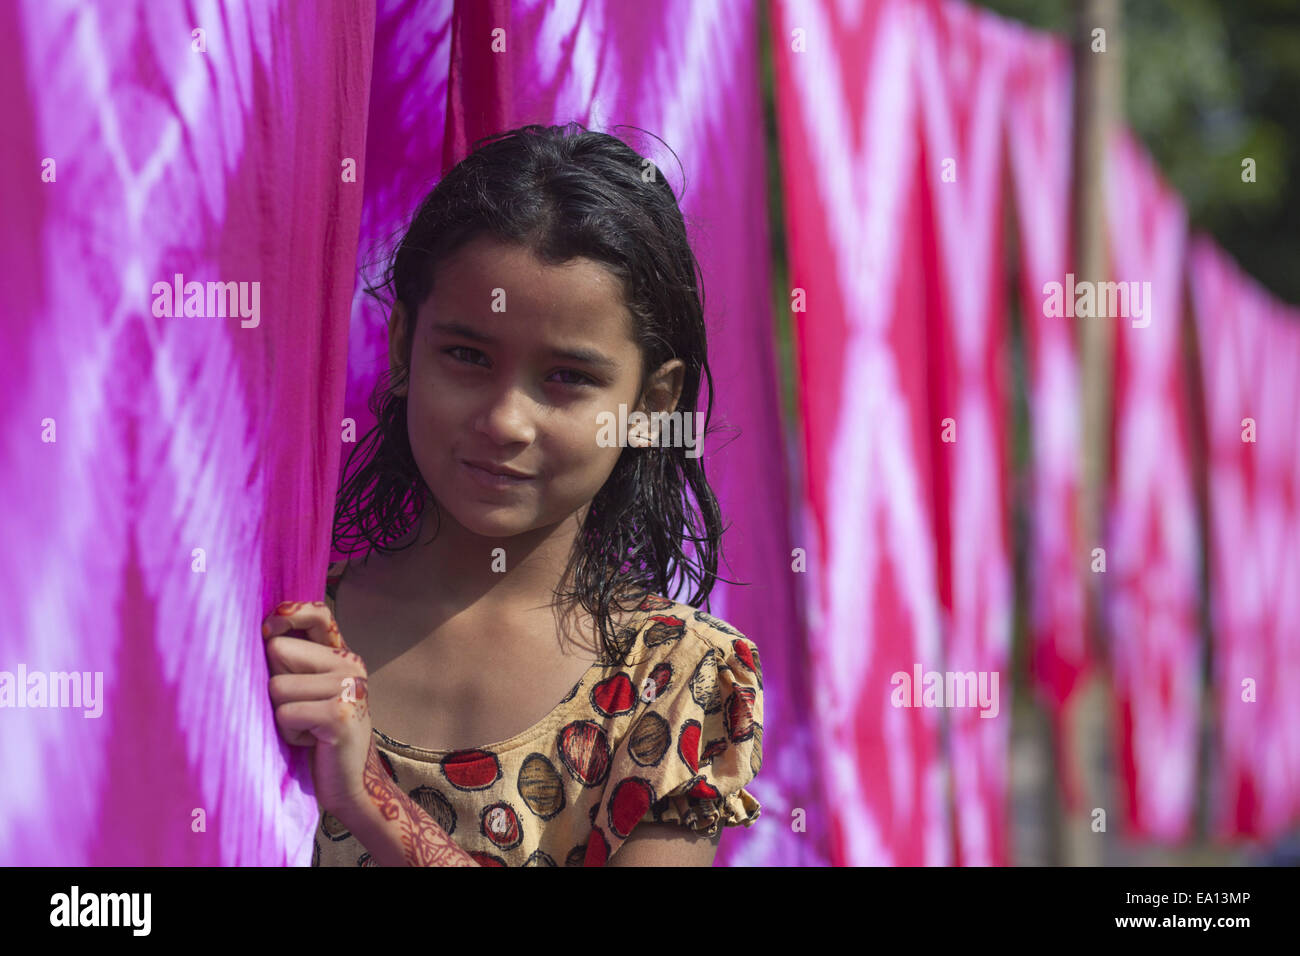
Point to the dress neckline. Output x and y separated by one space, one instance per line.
552 718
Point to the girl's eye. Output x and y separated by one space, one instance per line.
461 348
583 379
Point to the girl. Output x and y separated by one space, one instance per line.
544 286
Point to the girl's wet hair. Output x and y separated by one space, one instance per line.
562 192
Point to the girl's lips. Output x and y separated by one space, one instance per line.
487 479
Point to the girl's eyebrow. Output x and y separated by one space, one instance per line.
577 354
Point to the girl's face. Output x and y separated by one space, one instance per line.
489 383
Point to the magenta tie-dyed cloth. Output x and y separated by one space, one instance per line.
1250 369
850 126
1153 537
1039 121
170 461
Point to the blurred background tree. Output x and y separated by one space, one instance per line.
1206 85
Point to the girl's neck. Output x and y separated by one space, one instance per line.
456 570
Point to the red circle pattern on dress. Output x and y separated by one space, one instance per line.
748 656
471 769
629 803
597 848
701 789
614 696
688 745
584 750
662 675
504 828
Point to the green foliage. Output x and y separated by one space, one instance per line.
1205 85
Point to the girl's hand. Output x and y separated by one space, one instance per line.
318 689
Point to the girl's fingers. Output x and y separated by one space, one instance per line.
293 655
308 721
314 617
289 688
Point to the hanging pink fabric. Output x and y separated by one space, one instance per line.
1039 126
169 458
403 160
848 128
688 74
961 73
1250 361
1152 545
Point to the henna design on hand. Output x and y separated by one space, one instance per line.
287 609
347 655
424 843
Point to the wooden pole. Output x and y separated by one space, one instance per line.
1098 87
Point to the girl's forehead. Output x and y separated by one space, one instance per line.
488 265
506 291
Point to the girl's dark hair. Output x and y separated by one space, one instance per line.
562 192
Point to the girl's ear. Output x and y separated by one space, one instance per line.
664 388
399 349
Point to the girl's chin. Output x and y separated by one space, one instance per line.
493 521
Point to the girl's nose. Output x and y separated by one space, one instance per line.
507 419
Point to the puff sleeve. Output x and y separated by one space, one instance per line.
693 748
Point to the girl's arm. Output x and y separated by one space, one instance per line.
393 828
